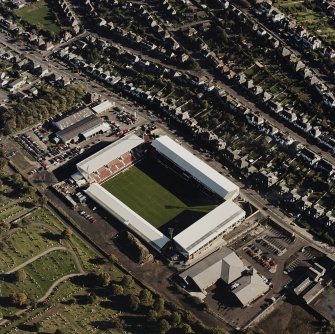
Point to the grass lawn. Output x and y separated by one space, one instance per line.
159 195
40 275
39 14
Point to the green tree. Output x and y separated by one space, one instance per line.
163 326
113 259
127 282
133 302
5 226
67 233
104 279
159 305
116 290
152 317
254 330
186 329
175 319
20 275
146 297
18 299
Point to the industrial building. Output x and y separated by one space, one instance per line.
103 107
83 129
72 118
244 283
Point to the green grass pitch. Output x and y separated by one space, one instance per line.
39 14
160 196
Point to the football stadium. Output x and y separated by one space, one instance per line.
161 191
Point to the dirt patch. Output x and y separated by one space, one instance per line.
290 319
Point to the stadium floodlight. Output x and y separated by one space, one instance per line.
171 230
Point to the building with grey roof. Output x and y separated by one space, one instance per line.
245 284
84 128
72 118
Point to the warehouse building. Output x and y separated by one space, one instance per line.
242 282
103 107
72 118
83 129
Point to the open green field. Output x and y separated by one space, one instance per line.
39 14
160 196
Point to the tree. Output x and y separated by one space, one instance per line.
104 279
152 317
127 282
5 226
133 302
113 259
42 201
254 330
117 290
159 305
163 326
186 329
18 299
67 233
3 163
20 275
175 319
146 297
59 331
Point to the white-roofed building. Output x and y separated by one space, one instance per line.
200 235
103 106
107 154
197 168
127 216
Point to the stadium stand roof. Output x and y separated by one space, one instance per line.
72 118
103 106
201 171
208 227
108 154
72 132
224 264
127 216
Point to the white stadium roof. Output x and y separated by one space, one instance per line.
127 216
196 167
108 154
208 227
